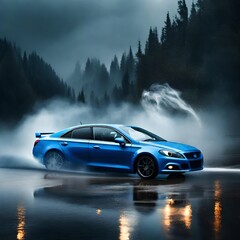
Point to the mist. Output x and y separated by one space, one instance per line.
202 129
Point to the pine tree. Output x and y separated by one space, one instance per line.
114 74
81 97
183 12
123 64
88 67
139 53
130 65
193 13
104 77
25 60
200 5
167 30
152 44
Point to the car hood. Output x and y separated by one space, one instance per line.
171 145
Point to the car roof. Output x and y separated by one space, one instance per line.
98 125
63 131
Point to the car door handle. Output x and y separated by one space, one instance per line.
64 143
96 147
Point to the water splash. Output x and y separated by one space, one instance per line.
163 99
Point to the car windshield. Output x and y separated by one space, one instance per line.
140 134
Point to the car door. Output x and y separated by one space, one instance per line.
104 152
75 144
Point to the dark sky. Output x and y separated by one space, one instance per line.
64 31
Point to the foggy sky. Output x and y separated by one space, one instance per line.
65 31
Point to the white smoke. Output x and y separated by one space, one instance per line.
174 119
163 98
16 145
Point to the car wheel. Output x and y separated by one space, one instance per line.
146 167
54 160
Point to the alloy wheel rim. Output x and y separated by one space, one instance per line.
146 167
54 161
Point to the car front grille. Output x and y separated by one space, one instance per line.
184 166
195 164
192 155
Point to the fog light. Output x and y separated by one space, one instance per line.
170 167
98 211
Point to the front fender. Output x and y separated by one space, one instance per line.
145 150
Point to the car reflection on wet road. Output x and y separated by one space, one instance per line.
38 204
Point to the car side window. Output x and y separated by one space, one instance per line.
67 135
105 134
82 133
79 133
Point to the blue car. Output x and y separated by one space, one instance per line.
117 147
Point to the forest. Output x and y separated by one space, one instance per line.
26 80
196 52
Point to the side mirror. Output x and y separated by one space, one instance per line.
120 141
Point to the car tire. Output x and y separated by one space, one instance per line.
54 160
146 167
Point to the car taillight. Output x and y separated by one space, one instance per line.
37 141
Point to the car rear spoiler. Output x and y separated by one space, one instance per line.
39 135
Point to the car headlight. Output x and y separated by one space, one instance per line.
171 153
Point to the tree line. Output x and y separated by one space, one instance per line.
197 52
25 79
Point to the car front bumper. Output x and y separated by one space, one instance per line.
167 165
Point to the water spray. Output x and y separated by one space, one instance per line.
163 99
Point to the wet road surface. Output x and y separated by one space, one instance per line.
38 204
